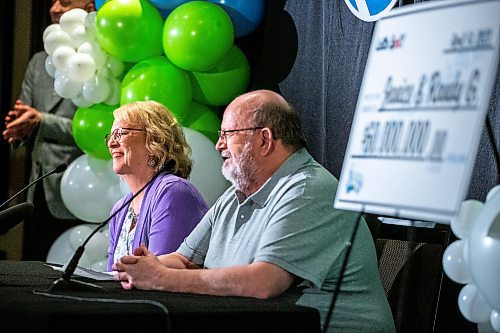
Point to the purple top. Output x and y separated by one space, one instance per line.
170 209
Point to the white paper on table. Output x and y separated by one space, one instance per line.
88 273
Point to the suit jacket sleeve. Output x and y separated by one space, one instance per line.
57 113
26 95
57 129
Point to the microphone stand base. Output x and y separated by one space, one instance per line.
74 285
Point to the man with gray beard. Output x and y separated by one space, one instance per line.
274 229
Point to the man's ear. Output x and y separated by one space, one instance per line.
268 142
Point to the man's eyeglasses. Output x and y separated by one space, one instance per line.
117 134
223 133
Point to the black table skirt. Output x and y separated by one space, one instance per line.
24 309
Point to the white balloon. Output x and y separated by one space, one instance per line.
81 67
114 193
78 235
85 261
124 188
89 23
100 266
104 72
492 192
472 305
79 36
72 18
49 67
485 327
97 247
84 187
56 39
49 29
484 251
105 168
60 251
95 51
115 65
65 87
455 262
105 231
114 95
495 320
206 173
462 224
61 55
80 101
96 90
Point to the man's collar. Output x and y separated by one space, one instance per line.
290 166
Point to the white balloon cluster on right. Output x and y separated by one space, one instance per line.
474 259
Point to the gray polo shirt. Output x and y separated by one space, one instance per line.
290 222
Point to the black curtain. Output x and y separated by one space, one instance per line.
40 20
325 79
314 53
6 42
486 172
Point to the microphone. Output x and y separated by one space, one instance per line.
65 282
59 169
12 216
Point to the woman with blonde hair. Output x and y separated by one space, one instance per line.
146 142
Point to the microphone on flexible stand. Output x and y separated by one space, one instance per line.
59 169
14 215
65 282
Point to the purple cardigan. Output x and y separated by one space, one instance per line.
170 209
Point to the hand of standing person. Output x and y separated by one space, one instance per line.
21 122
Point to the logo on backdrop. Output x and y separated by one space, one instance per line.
370 10
355 182
390 42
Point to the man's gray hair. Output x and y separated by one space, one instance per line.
283 120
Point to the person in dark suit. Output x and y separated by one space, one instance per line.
42 120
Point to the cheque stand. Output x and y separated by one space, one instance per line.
420 112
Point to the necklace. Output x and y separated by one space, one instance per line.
133 216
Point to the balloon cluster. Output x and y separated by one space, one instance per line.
474 259
95 254
81 69
90 188
188 57
180 53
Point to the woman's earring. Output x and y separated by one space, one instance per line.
152 161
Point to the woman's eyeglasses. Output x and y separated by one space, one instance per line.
117 134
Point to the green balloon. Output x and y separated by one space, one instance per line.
203 119
196 35
130 30
90 125
159 80
222 83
